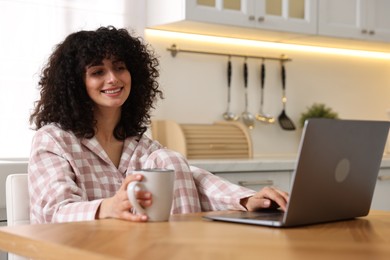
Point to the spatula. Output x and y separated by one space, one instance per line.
285 122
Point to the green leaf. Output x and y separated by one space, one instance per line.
317 110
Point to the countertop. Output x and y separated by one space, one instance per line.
258 163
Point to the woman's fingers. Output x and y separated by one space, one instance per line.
119 205
144 198
268 197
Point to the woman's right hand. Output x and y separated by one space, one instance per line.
119 205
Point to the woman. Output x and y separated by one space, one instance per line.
97 91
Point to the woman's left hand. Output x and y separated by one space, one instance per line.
268 197
119 206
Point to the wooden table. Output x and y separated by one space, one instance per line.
191 237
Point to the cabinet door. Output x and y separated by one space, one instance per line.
298 16
345 18
355 19
227 12
381 199
280 15
378 20
258 180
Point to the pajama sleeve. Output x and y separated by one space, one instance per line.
218 194
54 194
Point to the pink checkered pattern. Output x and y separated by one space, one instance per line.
69 177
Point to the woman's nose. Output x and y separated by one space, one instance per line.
112 78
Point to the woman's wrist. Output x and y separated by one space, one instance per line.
101 211
244 202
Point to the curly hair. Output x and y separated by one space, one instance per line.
64 99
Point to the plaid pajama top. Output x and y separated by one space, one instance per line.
68 177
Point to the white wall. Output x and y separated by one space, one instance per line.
195 87
29 29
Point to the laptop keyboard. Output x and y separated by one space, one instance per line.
264 215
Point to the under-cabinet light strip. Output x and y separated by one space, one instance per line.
265 44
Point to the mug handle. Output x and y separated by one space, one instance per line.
131 189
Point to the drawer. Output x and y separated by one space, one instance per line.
258 180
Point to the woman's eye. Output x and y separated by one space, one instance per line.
122 67
97 73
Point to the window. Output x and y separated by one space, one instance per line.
29 31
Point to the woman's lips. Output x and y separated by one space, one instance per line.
112 91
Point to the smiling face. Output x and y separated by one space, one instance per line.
108 83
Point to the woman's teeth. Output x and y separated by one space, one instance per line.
112 91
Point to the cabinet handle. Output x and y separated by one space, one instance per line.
371 32
251 18
364 31
261 19
384 178
252 183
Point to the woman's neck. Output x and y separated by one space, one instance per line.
106 121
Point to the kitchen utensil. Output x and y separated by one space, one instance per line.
228 115
261 116
247 117
285 122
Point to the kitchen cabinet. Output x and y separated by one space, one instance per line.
258 180
278 172
298 16
355 19
282 180
254 174
363 24
381 199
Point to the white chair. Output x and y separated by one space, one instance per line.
17 202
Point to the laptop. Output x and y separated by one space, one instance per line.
334 177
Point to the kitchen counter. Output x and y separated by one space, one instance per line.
259 163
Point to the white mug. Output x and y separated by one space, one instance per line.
159 182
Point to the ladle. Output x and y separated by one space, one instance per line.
228 115
261 116
247 117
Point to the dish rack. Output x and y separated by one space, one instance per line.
220 140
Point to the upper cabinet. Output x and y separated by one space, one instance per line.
280 15
278 20
355 19
298 16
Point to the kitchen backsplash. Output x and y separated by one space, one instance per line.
195 87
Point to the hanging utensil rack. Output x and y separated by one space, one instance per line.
174 51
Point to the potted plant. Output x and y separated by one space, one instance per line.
317 110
